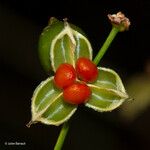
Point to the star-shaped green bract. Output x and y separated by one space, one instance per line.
63 43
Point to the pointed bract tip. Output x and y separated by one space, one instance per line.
66 21
29 124
52 20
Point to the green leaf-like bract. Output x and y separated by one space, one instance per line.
61 42
108 91
48 106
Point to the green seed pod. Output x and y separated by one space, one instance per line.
61 42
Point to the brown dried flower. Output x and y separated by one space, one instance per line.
120 21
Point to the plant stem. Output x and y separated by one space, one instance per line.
97 59
106 44
62 136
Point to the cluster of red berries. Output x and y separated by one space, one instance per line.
65 78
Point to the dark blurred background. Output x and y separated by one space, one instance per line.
21 23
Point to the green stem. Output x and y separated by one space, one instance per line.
100 54
62 136
106 44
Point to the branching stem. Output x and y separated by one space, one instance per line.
97 59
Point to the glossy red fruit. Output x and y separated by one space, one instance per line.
65 75
86 70
76 93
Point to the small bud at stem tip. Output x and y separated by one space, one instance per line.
120 21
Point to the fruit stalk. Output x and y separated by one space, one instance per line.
62 136
119 23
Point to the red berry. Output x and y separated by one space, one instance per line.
76 93
65 75
86 70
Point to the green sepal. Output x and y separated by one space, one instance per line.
108 91
48 105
